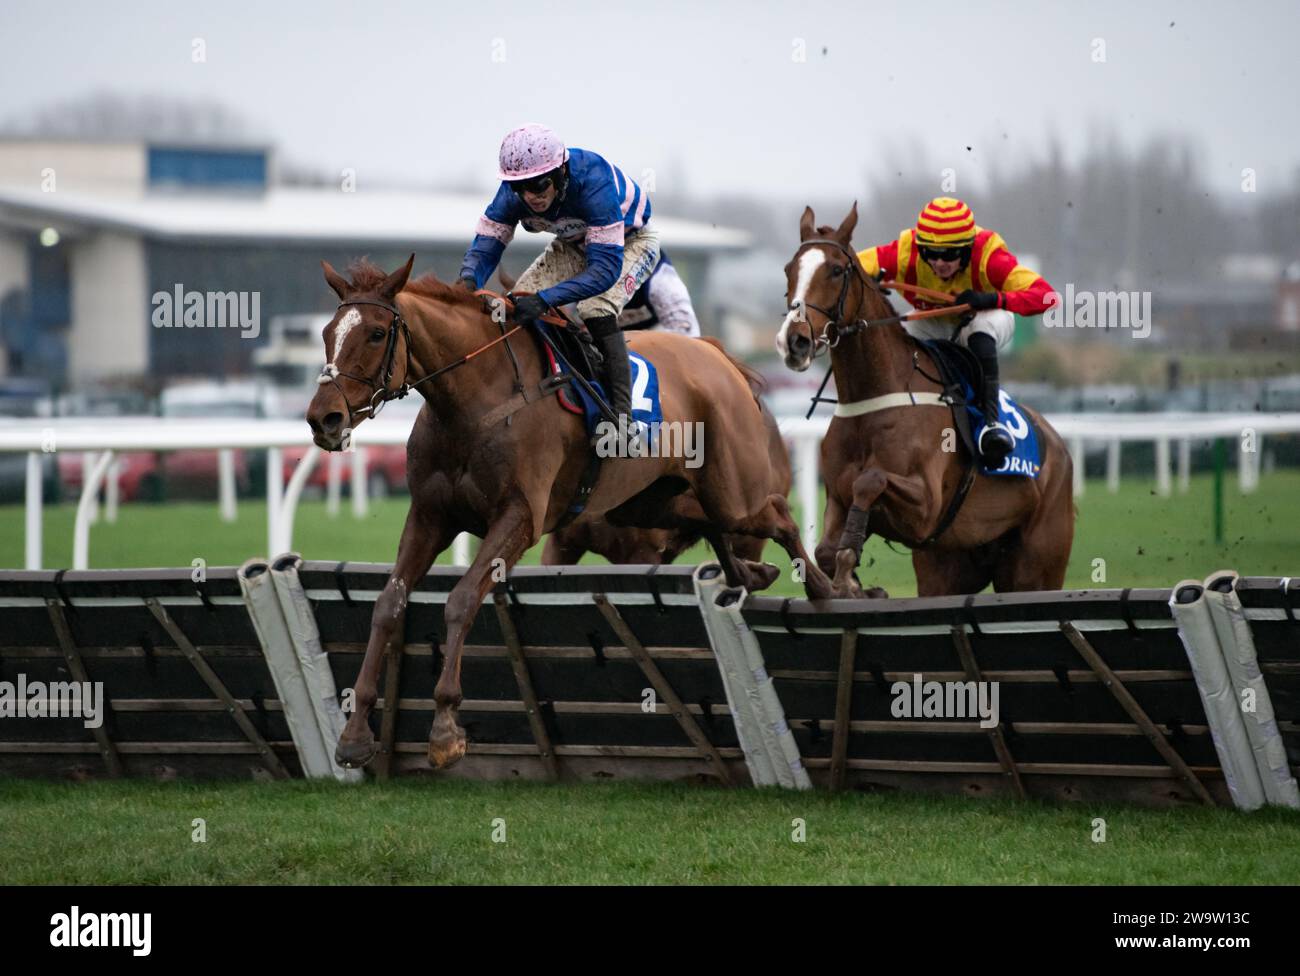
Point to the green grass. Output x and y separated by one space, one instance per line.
1145 540
431 832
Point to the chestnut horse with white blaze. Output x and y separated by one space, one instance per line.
885 469
509 483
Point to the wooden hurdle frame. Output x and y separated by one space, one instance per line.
590 674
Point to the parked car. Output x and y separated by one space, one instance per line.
25 398
153 476
385 463
13 478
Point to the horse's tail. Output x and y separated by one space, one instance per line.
752 376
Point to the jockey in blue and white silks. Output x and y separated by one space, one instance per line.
603 250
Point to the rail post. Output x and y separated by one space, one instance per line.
1220 462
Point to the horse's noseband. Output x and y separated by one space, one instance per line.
379 391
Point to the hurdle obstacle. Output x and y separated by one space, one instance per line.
598 673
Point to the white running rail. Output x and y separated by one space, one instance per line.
108 438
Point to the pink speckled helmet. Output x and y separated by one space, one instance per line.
531 150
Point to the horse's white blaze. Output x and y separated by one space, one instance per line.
809 262
350 318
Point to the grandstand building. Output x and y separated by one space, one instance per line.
92 233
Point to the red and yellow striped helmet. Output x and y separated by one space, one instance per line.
945 222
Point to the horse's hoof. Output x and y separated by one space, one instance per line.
446 749
846 560
875 593
850 589
355 753
762 575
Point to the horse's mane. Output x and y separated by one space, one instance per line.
367 276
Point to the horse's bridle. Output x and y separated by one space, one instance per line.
835 328
379 391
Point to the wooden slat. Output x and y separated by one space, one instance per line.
843 706
1005 677
77 668
929 726
1102 770
539 651
143 705
662 688
567 707
239 747
269 758
961 641
526 692
1130 705
91 652
635 752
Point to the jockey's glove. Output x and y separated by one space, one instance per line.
529 307
468 283
979 301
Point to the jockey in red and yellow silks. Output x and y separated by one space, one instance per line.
948 252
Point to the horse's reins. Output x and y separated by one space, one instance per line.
379 391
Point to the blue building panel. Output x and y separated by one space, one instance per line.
184 167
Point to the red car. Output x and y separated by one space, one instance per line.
150 476
385 469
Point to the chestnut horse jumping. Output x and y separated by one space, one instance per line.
885 469
508 483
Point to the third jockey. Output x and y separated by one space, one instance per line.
602 252
948 252
662 304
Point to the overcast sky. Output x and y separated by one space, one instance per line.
706 93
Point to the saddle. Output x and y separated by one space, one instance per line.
569 348
961 377
569 360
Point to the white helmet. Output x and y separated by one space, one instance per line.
529 151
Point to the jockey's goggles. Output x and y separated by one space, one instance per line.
538 184
945 253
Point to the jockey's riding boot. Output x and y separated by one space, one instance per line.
995 442
618 374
